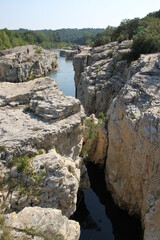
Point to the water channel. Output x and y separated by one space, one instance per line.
99 217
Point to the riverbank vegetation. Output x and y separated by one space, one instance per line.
47 38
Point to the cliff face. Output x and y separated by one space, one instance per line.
132 166
68 54
18 65
100 73
130 96
41 139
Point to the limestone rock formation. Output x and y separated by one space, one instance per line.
100 73
133 167
40 224
79 64
18 65
36 114
41 139
52 181
68 54
130 93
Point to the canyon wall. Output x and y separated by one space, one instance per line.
129 95
132 165
100 73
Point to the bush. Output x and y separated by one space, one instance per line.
148 39
38 50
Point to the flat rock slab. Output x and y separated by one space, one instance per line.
36 114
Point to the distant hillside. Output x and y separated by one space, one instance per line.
47 38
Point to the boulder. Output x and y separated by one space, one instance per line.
40 224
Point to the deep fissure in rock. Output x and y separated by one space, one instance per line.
121 226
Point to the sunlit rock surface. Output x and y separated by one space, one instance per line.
132 166
25 63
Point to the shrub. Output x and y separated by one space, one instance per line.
38 50
147 40
2 148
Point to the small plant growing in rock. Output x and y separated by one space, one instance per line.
58 151
2 148
112 68
110 54
132 116
35 129
97 69
40 151
101 119
31 76
21 162
6 235
90 135
27 108
30 231
25 169
54 64
71 170
38 50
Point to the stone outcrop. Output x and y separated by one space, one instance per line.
68 54
100 73
79 64
133 167
41 139
18 65
52 182
36 114
40 224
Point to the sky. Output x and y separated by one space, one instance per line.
57 14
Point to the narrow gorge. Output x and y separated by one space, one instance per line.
48 139
128 94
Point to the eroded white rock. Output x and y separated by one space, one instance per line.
132 166
41 223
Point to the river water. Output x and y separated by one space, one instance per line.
64 76
99 217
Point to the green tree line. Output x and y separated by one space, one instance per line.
47 38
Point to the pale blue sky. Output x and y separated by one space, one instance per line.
56 14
